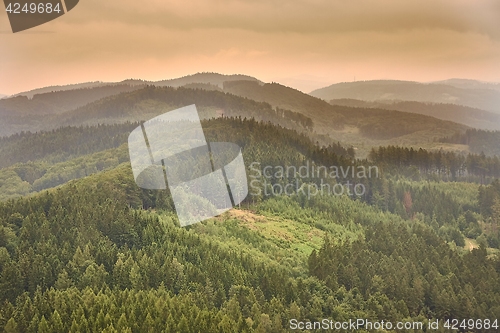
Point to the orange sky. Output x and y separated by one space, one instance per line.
304 44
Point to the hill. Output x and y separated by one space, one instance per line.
215 79
280 105
140 103
39 109
51 89
324 116
361 127
470 84
387 90
59 101
35 161
457 113
208 78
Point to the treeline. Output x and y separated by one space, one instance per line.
127 107
381 124
141 103
57 102
59 145
445 165
479 141
298 118
393 129
37 161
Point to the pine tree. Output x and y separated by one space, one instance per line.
11 326
43 326
56 322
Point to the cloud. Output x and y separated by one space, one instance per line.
301 16
117 39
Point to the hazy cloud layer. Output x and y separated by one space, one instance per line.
332 39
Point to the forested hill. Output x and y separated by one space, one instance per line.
485 99
101 255
62 144
102 104
152 101
339 121
215 79
471 117
36 161
59 101
148 102
363 128
203 78
324 115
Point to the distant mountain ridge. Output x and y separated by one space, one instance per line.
392 90
461 114
361 125
49 89
288 98
60 99
329 118
205 78
57 102
470 84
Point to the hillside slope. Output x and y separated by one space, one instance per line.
470 84
361 127
100 254
471 117
485 99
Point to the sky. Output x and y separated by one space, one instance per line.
305 44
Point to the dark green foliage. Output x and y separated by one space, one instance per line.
61 144
446 165
479 141
49 159
99 254
413 268
488 196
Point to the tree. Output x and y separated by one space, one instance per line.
408 203
43 326
11 326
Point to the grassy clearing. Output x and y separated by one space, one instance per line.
471 244
295 235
